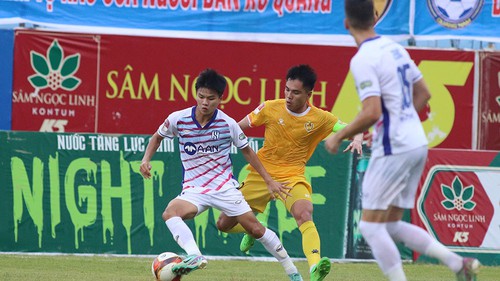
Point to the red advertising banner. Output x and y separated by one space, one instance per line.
457 201
143 79
450 77
55 82
488 136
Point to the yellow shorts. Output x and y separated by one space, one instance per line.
257 195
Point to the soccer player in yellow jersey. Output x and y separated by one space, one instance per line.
293 129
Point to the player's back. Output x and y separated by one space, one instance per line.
383 67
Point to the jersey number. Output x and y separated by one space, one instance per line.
405 86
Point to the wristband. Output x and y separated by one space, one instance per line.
339 126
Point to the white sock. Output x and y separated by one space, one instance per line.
183 235
383 247
273 245
419 240
447 257
396 273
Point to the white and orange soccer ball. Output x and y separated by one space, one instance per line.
162 266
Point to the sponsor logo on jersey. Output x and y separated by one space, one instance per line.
191 149
365 84
258 109
215 135
309 126
242 136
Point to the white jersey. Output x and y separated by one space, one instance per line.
381 67
204 151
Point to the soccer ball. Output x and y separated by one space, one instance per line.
455 10
162 267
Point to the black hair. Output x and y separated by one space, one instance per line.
360 13
212 80
304 73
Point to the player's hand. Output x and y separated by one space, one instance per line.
368 138
145 170
355 145
332 143
280 189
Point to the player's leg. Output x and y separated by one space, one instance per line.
254 189
229 224
270 241
301 207
174 215
415 237
383 181
420 241
232 203
384 250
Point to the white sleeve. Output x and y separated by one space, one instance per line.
415 72
240 140
169 127
365 77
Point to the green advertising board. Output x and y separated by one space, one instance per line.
83 193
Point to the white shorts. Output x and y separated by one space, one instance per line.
230 201
392 180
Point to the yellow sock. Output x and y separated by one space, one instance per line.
237 229
310 242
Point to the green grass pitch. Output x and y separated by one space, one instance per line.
108 268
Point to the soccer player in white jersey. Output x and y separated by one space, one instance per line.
205 136
392 91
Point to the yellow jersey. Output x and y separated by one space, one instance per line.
290 138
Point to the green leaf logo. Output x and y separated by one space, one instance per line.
54 71
457 196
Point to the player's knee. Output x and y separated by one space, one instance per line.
257 230
302 217
393 228
223 224
302 211
370 229
166 215
363 228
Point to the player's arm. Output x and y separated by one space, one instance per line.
370 113
244 123
153 145
421 94
272 185
356 144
